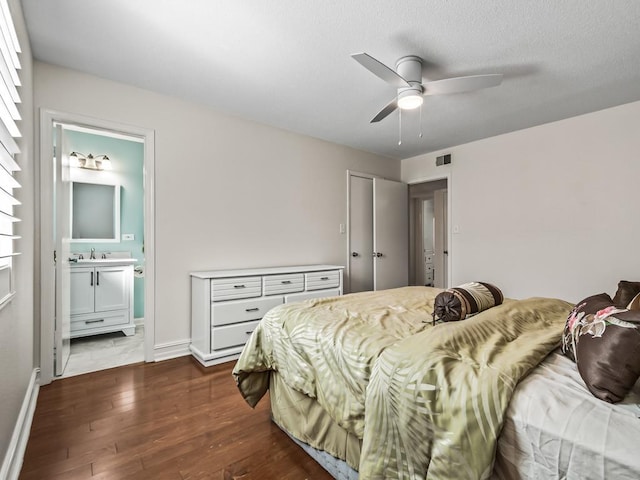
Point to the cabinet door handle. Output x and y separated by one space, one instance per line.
255 309
239 286
94 321
286 282
91 281
98 278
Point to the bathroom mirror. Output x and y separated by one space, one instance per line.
95 212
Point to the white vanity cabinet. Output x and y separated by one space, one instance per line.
102 297
226 305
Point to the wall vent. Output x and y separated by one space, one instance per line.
443 160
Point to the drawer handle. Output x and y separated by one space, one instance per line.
94 321
249 332
255 309
239 286
324 278
286 282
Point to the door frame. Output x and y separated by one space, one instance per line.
444 176
44 187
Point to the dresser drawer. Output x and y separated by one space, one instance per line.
299 297
232 335
242 310
320 280
235 287
276 284
108 320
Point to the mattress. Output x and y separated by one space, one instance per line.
556 429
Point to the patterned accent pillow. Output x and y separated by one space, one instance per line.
465 300
625 293
606 345
588 306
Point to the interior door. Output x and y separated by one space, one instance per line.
360 234
390 234
62 236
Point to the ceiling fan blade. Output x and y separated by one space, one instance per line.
461 84
380 69
390 107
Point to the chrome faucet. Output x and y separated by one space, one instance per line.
93 254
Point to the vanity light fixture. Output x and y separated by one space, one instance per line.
90 162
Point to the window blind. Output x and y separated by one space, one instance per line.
9 115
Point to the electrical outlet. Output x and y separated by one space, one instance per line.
128 236
343 228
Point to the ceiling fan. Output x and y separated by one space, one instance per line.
407 77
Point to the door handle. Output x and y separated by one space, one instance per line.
91 281
355 254
98 279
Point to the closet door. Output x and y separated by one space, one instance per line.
390 234
360 234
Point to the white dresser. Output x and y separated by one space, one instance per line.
102 297
226 305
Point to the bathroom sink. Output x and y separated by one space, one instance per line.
105 261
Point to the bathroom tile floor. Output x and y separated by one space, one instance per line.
99 352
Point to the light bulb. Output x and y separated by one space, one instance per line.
410 102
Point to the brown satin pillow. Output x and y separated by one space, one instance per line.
609 360
625 293
588 306
635 303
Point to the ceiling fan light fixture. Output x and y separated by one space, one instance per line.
410 101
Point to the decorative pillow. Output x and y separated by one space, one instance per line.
606 344
635 303
588 306
468 299
626 292
608 353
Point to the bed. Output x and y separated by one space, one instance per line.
370 388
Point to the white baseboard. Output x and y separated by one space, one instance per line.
165 351
138 321
15 452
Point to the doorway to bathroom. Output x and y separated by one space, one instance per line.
429 253
97 293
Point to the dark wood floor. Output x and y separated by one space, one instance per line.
166 420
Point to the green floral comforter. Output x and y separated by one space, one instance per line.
434 397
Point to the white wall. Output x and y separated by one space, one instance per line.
229 193
16 319
550 210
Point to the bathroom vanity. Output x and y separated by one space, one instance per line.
102 296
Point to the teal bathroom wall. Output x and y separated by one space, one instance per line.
127 161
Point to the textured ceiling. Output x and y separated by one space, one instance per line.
287 63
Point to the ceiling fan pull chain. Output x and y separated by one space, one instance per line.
420 132
399 126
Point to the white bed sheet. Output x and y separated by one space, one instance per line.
556 429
